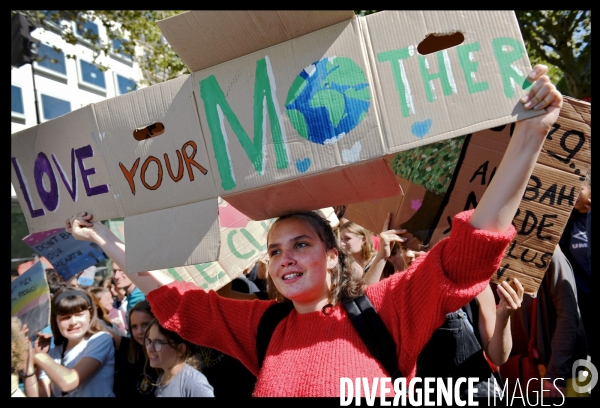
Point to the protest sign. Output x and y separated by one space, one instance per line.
86 278
30 298
326 94
66 254
544 210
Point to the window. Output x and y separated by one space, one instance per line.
88 28
91 76
16 102
118 50
53 62
54 107
124 85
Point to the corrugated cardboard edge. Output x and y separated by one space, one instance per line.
204 30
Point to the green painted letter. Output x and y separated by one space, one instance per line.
395 58
217 109
470 67
428 78
508 50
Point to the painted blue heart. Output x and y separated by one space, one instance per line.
420 129
303 165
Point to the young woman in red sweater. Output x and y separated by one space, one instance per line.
316 344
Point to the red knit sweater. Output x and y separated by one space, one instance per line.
308 353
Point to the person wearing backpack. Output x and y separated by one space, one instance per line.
316 344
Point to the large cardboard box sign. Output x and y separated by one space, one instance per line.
289 111
544 210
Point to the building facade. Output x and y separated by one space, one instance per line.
66 80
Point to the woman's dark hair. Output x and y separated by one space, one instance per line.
70 301
190 355
344 284
135 350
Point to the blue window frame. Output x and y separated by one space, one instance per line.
16 100
88 27
92 75
54 107
118 49
54 61
125 85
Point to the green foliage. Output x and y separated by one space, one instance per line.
430 166
561 39
158 61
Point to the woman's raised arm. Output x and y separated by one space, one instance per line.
83 229
501 199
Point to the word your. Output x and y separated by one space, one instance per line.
446 392
49 195
181 157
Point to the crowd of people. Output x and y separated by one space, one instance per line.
143 335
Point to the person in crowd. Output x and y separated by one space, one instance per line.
575 245
122 282
73 281
316 344
357 241
133 376
83 361
177 362
103 301
471 337
560 337
55 281
21 361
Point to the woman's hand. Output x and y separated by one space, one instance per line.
510 299
80 227
387 237
42 343
542 95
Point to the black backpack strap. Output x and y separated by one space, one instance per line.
268 322
373 333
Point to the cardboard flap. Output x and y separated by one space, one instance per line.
151 237
209 37
342 186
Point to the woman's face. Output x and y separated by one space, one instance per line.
106 300
352 242
167 357
138 324
74 326
299 264
584 200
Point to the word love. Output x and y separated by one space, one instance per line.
49 192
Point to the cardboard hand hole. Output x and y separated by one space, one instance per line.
153 130
436 42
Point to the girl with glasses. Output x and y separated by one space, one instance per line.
175 358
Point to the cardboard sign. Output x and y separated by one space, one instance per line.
87 276
66 254
543 213
30 298
246 241
288 112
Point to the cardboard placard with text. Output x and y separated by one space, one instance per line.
544 210
30 298
284 111
66 254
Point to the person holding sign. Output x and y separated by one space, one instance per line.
316 344
82 363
